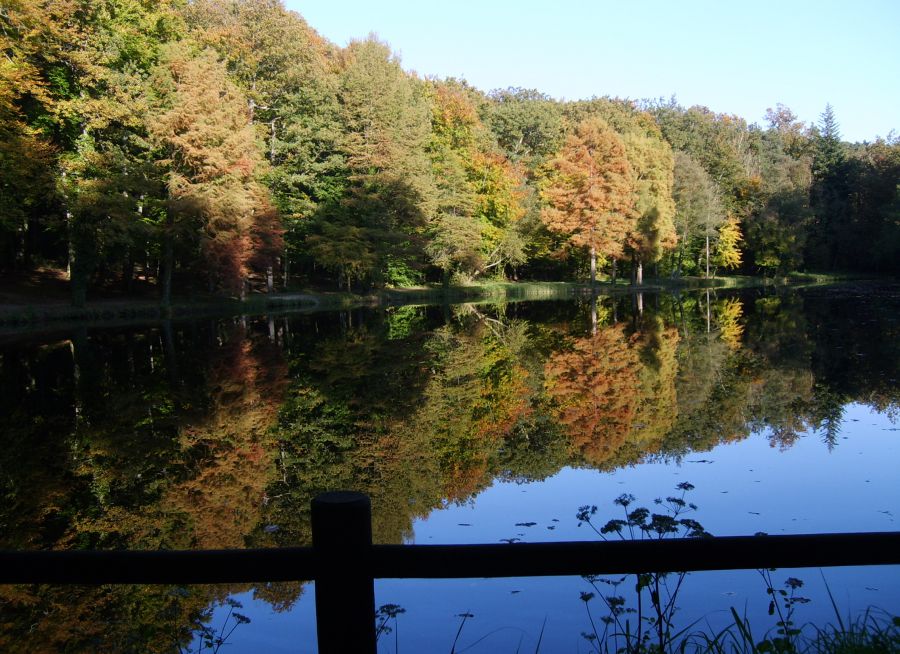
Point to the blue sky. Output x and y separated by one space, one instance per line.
732 57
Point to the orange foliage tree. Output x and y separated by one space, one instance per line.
590 192
211 163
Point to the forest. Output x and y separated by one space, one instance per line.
182 148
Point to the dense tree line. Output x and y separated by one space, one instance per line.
210 145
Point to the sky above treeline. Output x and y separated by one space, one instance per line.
733 57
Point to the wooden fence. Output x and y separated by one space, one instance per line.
344 563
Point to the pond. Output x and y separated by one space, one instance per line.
464 424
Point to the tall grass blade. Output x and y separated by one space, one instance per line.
837 613
745 631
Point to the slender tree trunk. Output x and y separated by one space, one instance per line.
272 142
287 268
639 272
707 256
270 279
593 266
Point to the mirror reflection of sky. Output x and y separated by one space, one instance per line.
741 488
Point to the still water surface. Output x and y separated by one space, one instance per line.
465 424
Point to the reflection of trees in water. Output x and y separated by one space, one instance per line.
158 442
614 393
477 393
415 427
729 386
229 454
594 387
219 436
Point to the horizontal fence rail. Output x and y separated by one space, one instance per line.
344 563
454 561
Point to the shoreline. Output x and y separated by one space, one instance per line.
24 318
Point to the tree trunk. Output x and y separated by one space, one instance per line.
270 279
593 266
707 256
287 268
272 142
639 272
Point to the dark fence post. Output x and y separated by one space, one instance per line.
345 591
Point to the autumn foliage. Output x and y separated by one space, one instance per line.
590 191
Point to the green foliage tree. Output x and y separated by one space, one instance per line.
476 225
829 194
778 215
527 124
721 143
375 231
89 70
698 210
